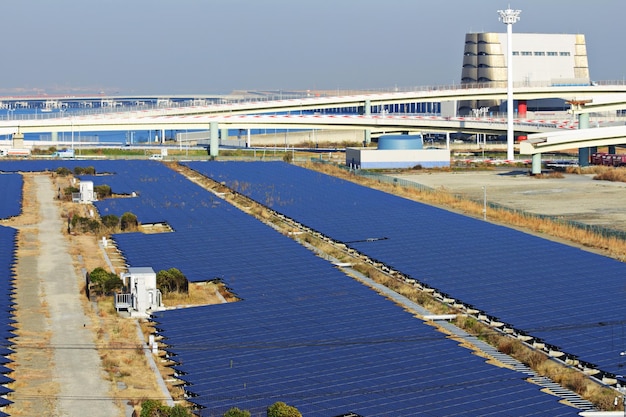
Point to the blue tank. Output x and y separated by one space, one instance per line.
396 142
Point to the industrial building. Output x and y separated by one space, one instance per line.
397 151
538 59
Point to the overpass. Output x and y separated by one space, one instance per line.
261 114
540 143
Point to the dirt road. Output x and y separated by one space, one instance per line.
58 370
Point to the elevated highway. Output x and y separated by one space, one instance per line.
287 114
125 122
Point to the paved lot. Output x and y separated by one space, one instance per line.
574 197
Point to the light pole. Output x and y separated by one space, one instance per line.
508 17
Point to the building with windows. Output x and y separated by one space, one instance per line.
538 59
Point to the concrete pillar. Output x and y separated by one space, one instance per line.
223 134
583 153
54 136
367 111
162 135
521 109
18 140
214 143
536 167
248 139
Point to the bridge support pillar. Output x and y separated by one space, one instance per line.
223 134
54 136
583 153
214 143
536 167
367 111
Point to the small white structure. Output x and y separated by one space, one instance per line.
85 194
369 158
144 296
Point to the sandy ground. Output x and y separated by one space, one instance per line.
55 349
574 197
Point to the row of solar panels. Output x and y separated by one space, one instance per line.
8 246
570 299
11 185
304 333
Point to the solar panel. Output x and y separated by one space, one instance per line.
567 297
304 333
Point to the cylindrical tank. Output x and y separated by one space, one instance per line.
395 142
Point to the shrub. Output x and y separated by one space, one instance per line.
103 282
111 221
172 280
235 412
84 170
68 191
128 221
288 157
85 224
153 408
63 172
280 409
103 190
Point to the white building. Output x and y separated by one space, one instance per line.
538 59
143 296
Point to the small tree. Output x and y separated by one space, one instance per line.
280 409
84 170
128 221
103 282
63 172
102 191
152 408
172 280
111 221
236 412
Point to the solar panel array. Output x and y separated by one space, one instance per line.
570 299
8 245
304 333
11 184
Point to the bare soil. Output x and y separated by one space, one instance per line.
575 197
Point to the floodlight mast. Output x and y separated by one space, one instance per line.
508 17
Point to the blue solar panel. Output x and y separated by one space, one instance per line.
304 332
11 185
569 298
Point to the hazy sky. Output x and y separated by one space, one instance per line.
216 46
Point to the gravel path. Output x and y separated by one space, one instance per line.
73 364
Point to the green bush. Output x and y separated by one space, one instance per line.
128 221
111 221
63 172
152 408
84 170
172 280
235 412
102 191
85 224
280 409
103 282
